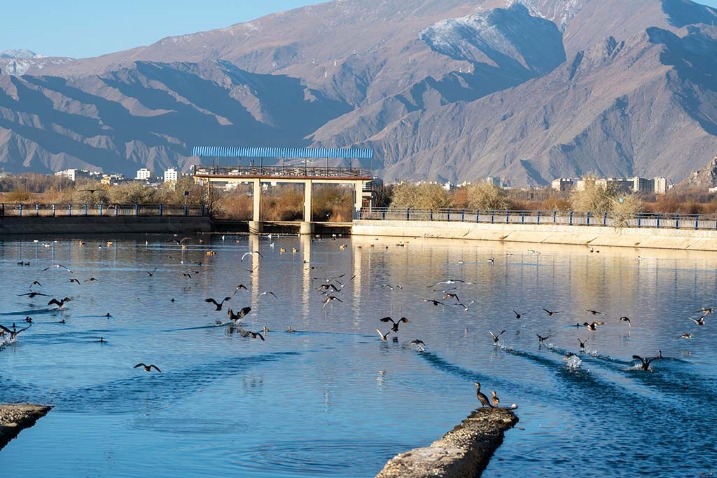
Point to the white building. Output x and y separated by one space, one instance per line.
74 174
171 175
144 174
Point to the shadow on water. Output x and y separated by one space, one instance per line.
157 389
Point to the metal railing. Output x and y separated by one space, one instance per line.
65 210
570 218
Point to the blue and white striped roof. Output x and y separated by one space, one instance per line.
278 152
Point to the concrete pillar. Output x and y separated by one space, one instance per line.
255 223
358 196
307 227
307 200
256 213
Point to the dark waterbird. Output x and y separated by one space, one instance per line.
60 303
14 332
395 323
646 361
242 312
481 396
217 304
250 334
148 368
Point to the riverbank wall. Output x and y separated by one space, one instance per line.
17 226
592 236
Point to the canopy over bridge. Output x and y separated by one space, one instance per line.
292 173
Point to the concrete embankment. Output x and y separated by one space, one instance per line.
596 236
104 225
16 417
463 452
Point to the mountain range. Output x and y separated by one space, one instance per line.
442 90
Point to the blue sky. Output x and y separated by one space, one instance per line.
85 28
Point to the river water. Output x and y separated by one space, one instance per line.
323 395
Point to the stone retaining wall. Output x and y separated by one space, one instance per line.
651 238
104 225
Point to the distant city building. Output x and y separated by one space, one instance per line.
171 175
562 184
618 185
112 179
143 174
74 174
499 182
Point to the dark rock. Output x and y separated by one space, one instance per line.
16 417
462 453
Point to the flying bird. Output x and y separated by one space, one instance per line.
217 304
433 301
58 266
242 312
550 312
594 312
646 361
496 338
14 332
700 321
148 368
449 281
250 253
382 335
76 281
60 303
518 315
593 325
150 274
541 338
625 318
395 323
330 298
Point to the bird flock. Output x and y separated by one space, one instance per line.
452 292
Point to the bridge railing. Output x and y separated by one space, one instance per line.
282 171
570 218
65 210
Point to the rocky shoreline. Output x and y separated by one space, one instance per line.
16 417
463 452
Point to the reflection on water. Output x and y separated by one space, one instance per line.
323 395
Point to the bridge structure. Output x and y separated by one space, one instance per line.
295 172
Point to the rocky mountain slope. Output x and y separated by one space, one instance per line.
449 90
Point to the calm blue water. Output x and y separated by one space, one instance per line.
332 399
